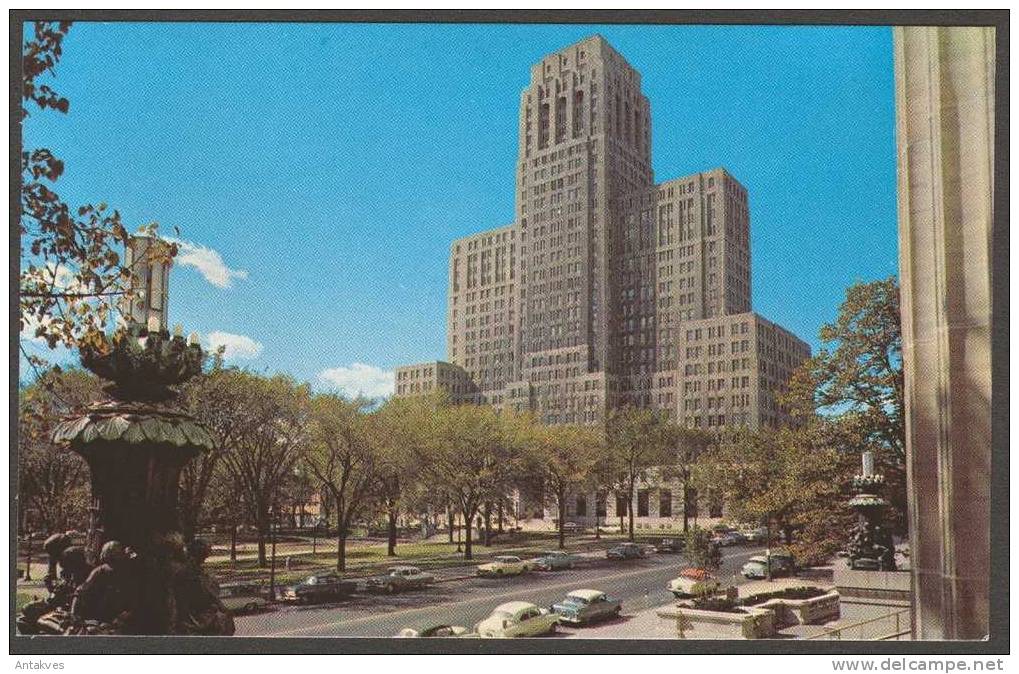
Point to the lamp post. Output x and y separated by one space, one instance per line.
273 513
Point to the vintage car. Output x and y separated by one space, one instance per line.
324 587
238 598
553 560
757 566
671 545
571 527
760 534
517 619
435 631
504 565
399 578
586 606
726 538
693 582
626 551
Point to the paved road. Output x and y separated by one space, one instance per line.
639 583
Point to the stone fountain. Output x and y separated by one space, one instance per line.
142 577
872 547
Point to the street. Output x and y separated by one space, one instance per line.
639 583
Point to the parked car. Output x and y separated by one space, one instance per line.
625 551
435 631
694 582
517 619
571 527
671 545
755 535
400 578
553 560
727 538
757 566
504 565
648 548
243 598
586 606
325 587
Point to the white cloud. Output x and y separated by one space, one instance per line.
236 346
208 262
360 379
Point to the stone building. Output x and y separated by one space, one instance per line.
609 289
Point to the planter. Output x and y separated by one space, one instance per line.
747 623
813 611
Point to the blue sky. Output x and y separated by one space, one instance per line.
320 170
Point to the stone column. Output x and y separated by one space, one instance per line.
944 85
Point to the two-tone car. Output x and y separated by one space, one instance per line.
626 551
240 598
693 582
323 587
586 606
517 619
398 579
757 566
554 560
505 565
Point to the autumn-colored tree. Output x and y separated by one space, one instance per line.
343 456
857 379
637 441
563 458
53 482
72 274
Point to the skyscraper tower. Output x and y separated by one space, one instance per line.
608 289
584 141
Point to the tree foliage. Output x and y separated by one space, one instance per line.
638 441
699 551
53 482
72 274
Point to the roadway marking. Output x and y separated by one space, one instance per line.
486 598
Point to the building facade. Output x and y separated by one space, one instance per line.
609 289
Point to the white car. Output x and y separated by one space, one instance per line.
693 583
517 619
505 565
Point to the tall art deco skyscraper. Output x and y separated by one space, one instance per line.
608 289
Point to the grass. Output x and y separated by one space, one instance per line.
25 597
368 559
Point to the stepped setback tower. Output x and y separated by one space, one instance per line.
608 289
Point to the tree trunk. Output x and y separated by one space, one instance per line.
499 510
391 545
488 524
629 510
561 497
341 549
262 560
233 543
686 501
468 530
450 523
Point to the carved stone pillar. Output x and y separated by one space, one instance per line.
944 84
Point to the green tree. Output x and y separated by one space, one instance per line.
267 442
53 482
404 435
684 446
474 453
700 552
71 272
343 457
637 441
564 458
